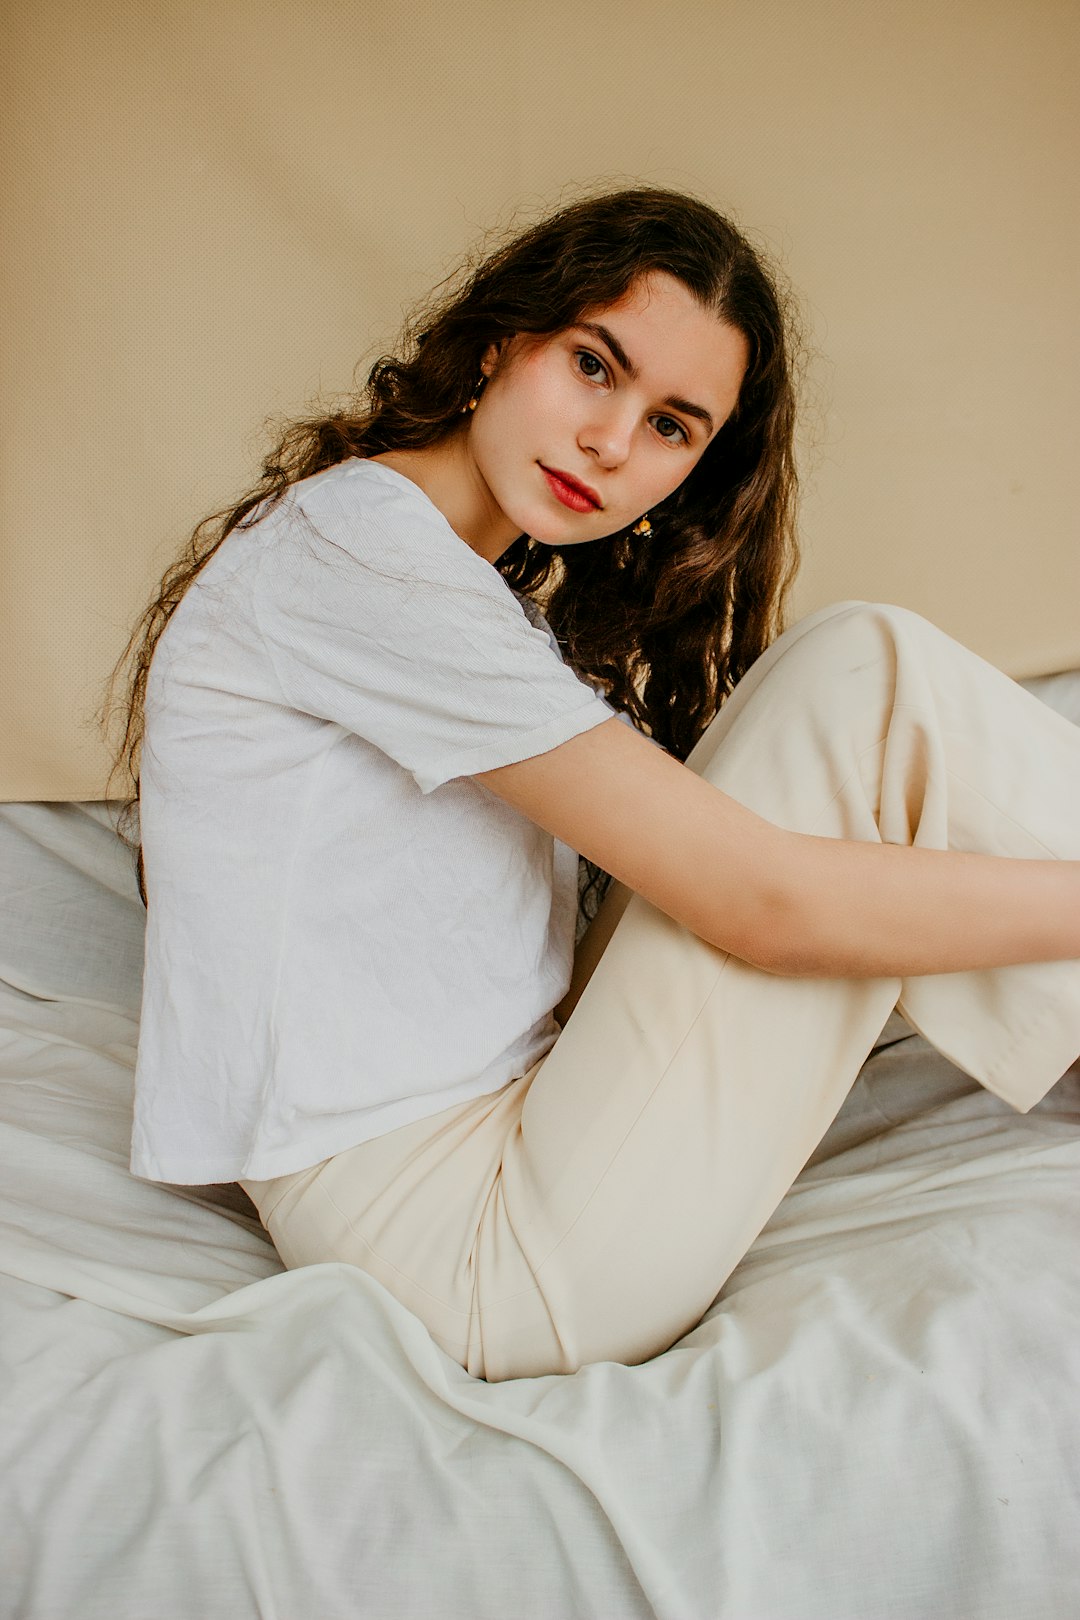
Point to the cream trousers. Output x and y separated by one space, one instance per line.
593 1208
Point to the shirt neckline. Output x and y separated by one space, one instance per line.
411 484
490 571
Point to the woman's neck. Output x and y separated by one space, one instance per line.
451 481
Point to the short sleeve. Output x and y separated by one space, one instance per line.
377 616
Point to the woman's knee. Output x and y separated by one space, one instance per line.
853 620
848 639
803 679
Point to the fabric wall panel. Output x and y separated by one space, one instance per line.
215 214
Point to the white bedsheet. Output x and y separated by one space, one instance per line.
878 1419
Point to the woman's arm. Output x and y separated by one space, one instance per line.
790 903
886 910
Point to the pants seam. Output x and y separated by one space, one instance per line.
661 1077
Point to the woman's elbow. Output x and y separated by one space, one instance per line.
775 939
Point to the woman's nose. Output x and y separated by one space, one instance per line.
609 434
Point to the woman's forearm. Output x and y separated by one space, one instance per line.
863 910
867 910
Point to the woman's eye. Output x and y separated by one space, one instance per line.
677 425
583 354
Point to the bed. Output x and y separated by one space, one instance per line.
876 1419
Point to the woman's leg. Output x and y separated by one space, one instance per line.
593 1209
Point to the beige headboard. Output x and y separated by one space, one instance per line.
220 209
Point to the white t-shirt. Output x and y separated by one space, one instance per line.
345 932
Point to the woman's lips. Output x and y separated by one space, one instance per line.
568 493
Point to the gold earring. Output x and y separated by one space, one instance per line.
643 527
479 389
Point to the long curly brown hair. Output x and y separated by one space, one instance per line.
666 624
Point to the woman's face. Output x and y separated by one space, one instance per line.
615 411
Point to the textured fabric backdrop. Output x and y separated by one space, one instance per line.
212 212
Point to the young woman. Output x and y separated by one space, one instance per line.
368 762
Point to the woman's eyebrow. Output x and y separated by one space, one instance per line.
676 401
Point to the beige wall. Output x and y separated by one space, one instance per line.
216 210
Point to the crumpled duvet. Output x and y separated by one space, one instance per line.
877 1419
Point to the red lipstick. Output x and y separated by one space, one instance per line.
570 490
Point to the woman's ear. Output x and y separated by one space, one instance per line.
507 351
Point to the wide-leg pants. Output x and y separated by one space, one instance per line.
592 1208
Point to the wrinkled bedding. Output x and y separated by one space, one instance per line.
878 1416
